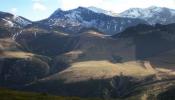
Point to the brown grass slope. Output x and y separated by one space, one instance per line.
92 64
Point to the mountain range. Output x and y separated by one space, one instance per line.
87 52
152 15
77 19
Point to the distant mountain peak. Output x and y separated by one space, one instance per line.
99 10
56 12
151 14
154 7
75 20
73 12
13 20
80 9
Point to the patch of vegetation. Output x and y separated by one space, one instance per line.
167 95
6 94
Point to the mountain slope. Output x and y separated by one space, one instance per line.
77 19
12 25
137 62
152 15
11 20
98 10
131 57
18 66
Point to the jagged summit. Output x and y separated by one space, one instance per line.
76 19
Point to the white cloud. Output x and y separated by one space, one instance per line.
147 3
116 5
70 4
37 6
14 10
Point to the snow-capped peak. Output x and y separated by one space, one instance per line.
99 10
57 12
151 14
76 20
133 13
21 21
13 20
141 12
155 9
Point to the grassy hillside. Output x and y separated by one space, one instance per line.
6 94
104 69
89 64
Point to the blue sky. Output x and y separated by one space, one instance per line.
40 9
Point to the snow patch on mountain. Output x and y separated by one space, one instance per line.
99 10
15 35
11 20
77 19
152 14
21 21
8 23
74 15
